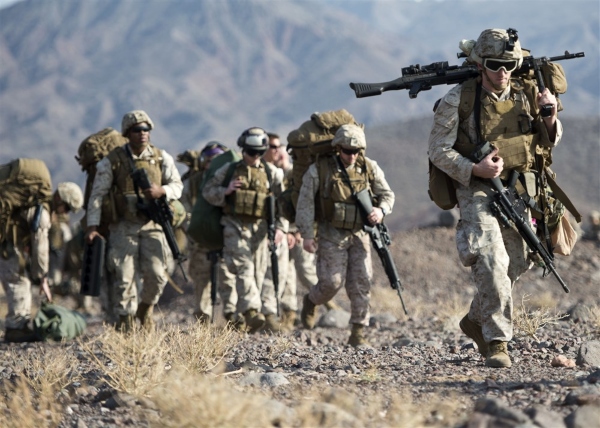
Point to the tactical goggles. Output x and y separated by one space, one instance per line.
138 129
496 64
350 151
253 153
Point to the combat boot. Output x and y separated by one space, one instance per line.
144 314
273 325
473 331
125 323
308 315
289 319
497 355
18 335
357 337
254 320
236 321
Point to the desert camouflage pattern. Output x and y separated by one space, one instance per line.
343 256
287 297
245 242
199 269
302 268
497 257
491 44
350 136
345 264
15 280
71 194
133 118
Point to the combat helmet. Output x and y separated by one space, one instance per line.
71 194
255 139
498 44
350 136
133 118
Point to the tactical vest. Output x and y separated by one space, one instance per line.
505 124
248 202
125 197
335 203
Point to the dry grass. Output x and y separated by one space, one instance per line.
30 401
528 320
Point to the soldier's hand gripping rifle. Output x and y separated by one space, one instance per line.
417 78
509 208
158 211
270 202
381 240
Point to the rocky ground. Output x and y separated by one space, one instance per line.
420 371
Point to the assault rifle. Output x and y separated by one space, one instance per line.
508 207
157 210
381 240
214 257
270 203
417 78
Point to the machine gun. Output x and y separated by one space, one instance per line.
381 240
417 78
508 207
270 204
157 210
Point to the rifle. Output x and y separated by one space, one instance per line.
157 210
270 204
214 257
92 267
381 240
417 78
508 207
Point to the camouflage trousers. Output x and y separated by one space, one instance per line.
199 268
497 257
17 288
287 290
136 248
348 264
302 267
246 252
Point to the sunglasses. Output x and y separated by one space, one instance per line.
138 129
253 153
274 147
350 151
497 64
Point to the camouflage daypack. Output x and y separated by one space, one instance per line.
305 144
91 150
24 183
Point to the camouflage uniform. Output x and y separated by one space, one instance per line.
343 255
13 275
497 256
245 239
135 245
199 264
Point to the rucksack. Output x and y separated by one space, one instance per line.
57 323
24 183
93 149
205 223
305 144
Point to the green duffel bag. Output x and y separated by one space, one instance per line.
205 224
55 322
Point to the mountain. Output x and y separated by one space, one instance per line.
210 69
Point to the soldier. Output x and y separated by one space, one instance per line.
344 248
66 199
503 115
200 263
287 290
241 188
136 244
